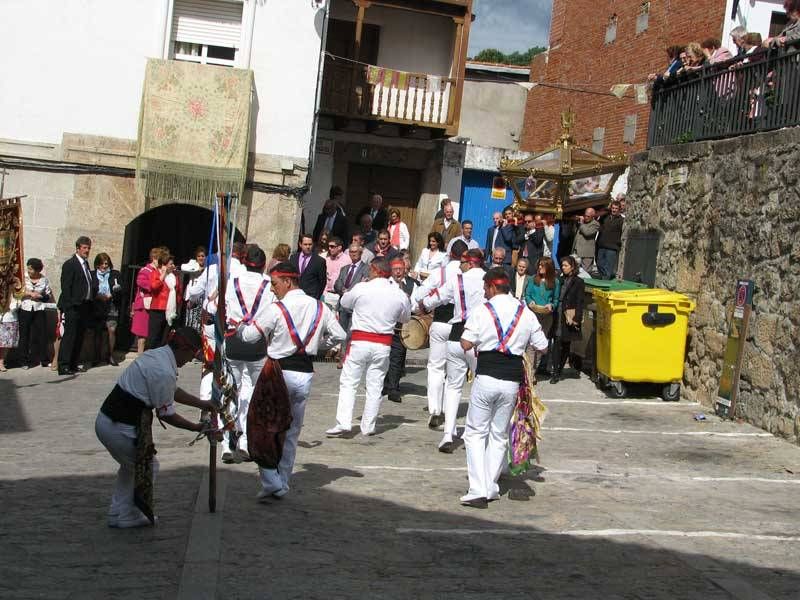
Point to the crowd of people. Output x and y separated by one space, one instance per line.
692 59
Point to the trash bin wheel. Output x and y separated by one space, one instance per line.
601 381
618 389
671 392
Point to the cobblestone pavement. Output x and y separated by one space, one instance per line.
634 499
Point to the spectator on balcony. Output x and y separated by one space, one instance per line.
790 33
737 33
674 64
752 45
696 60
333 220
448 226
377 214
398 231
714 51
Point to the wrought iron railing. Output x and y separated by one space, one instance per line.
371 92
758 92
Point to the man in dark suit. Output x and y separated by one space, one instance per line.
531 241
333 220
376 212
312 268
75 304
356 272
498 261
499 235
397 354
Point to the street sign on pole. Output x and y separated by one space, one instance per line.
734 349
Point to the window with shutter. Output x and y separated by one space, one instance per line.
611 29
643 19
206 31
597 139
629 135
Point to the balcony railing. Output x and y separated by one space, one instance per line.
376 93
759 92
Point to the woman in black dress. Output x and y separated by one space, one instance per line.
570 314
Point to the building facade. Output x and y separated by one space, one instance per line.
595 44
68 136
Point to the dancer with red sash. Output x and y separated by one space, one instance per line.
465 291
293 326
439 332
247 298
500 331
377 307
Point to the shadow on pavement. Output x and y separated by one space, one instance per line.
12 415
321 542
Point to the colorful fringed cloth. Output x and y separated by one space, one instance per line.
194 128
526 423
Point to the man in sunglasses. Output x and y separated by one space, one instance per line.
531 241
124 423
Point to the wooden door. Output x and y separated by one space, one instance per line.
400 189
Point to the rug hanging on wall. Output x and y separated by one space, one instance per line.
194 130
11 275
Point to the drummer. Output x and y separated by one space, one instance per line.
397 355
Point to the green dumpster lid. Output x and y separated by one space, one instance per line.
613 285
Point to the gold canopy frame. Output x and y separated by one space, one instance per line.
565 178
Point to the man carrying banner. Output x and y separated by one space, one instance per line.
247 298
465 291
293 327
500 330
377 307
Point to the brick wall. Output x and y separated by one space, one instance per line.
579 55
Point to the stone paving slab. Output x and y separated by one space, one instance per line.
615 514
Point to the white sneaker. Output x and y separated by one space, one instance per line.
228 458
335 431
135 522
266 494
242 456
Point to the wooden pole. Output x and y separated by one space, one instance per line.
462 43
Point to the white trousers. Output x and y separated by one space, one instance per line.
458 362
437 359
120 441
486 434
245 373
299 386
371 359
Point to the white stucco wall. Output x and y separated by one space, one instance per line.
408 41
78 66
492 113
753 15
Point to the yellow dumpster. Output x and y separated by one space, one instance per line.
641 337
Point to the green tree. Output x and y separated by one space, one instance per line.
492 55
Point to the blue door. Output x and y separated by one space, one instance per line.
477 204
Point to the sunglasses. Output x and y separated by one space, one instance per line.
333 245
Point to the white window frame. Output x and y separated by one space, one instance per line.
241 50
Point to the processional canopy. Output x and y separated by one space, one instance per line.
566 178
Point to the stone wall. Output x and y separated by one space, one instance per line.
726 210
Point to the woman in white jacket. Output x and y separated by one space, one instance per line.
432 257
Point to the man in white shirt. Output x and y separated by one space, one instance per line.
247 298
439 333
466 237
122 426
377 307
500 331
291 328
465 292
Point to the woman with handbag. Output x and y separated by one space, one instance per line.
570 314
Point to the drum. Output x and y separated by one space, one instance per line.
414 334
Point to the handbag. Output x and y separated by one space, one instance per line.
147 301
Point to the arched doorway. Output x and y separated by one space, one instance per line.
180 227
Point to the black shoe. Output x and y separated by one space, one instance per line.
439 420
475 503
395 397
80 369
447 448
65 371
555 379
113 361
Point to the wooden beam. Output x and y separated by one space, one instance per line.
462 43
443 9
362 7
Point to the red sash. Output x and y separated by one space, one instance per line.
368 336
